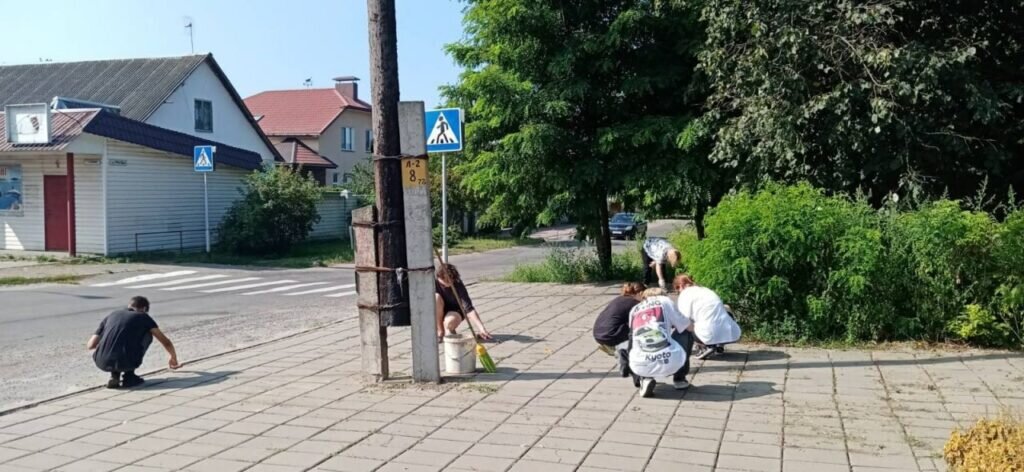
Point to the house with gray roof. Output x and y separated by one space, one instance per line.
97 156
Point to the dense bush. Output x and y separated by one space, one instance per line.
573 266
802 265
454 235
988 446
277 209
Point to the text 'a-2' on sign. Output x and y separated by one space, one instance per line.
414 172
444 130
202 158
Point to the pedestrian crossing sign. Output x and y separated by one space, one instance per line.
444 130
202 158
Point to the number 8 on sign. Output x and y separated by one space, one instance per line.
415 170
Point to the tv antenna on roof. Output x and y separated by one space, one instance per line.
188 25
308 82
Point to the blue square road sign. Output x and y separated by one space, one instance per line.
202 158
444 130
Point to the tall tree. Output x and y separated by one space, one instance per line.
868 94
569 102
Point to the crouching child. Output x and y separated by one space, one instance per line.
121 341
660 342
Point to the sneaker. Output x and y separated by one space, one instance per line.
681 384
115 380
606 349
132 380
704 353
647 388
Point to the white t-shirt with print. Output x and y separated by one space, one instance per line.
653 352
657 248
711 322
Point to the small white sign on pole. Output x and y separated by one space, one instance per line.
202 162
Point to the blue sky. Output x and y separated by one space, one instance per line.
261 44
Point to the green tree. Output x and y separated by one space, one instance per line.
569 103
875 95
277 209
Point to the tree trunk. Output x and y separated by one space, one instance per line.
387 172
698 218
603 235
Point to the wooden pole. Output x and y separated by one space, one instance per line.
394 310
416 186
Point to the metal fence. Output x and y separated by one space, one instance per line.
167 240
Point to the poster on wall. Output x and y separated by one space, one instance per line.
10 189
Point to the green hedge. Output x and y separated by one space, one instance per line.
800 265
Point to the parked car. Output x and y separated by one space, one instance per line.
627 226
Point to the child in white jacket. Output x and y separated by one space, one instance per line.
712 323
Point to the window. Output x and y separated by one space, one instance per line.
369 140
204 116
347 141
347 178
334 178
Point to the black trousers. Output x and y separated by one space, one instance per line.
129 359
650 274
685 340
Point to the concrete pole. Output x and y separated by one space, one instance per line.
419 246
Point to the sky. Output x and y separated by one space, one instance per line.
260 44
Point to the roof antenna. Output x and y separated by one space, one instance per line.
308 82
188 25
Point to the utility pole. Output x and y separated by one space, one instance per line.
392 305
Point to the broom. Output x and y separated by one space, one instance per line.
481 351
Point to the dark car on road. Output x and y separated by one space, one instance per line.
627 226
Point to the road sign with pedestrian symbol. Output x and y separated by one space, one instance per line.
202 158
444 130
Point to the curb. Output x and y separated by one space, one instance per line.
165 369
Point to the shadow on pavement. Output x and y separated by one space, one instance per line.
177 381
518 338
717 393
818 364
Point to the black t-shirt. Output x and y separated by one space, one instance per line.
448 295
612 325
123 339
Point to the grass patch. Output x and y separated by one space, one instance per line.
299 256
53 279
575 266
490 243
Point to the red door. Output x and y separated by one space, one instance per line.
55 203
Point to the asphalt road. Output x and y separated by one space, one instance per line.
205 310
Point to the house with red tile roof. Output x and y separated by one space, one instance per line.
324 130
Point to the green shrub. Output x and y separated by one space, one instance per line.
277 209
573 266
454 235
940 262
797 263
802 265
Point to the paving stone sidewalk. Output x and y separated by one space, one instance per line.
556 405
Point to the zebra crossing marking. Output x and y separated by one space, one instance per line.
320 290
180 281
143 278
211 284
245 287
286 287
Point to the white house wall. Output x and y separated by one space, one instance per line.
89 230
155 192
230 125
27 232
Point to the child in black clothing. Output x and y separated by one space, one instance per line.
121 341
